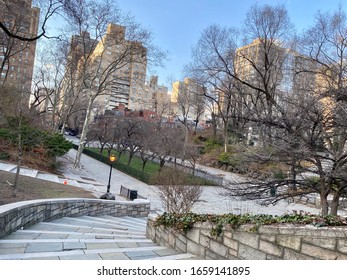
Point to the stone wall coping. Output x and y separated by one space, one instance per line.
285 228
24 204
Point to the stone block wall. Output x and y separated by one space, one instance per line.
273 242
24 214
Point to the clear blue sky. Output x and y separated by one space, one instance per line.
177 24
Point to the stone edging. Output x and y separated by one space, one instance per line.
272 242
22 214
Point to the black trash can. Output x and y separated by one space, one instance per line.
132 194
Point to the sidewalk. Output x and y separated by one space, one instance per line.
93 176
210 201
98 171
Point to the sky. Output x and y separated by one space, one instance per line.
177 24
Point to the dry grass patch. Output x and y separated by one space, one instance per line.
32 188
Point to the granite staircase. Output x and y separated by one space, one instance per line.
86 238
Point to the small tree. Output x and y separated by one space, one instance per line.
168 143
175 195
102 130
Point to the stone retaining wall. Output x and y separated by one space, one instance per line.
286 242
23 214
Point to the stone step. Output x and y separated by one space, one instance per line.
86 238
129 222
26 172
96 224
40 234
58 250
7 167
48 177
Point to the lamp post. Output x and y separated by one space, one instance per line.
107 195
112 159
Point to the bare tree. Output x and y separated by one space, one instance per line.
103 130
213 66
176 196
192 155
262 66
11 96
131 131
308 123
17 118
168 143
46 95
147 147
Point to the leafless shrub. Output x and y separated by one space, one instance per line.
174 192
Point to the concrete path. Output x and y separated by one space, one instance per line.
211 201
86 238
93 176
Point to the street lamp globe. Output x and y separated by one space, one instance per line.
112 158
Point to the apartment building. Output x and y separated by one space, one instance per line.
271 74
17 57
269 63
113 68
188 101
160 99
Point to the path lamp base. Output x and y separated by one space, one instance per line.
108 196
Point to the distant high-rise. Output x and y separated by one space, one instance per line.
17 57
159 97
114 65
188 101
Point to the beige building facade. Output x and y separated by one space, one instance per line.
112 68
187 100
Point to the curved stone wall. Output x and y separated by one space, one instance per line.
23 214
272 242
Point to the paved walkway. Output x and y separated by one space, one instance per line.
86 238
210 201
93 176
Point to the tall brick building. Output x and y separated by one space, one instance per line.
17 57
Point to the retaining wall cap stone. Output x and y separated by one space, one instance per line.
29 203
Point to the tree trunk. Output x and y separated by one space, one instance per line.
186 139
161 165
19 158
120 152
63 127
144 164
335 205
214 126
324 204
130 158
84 133
55 121
225 136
